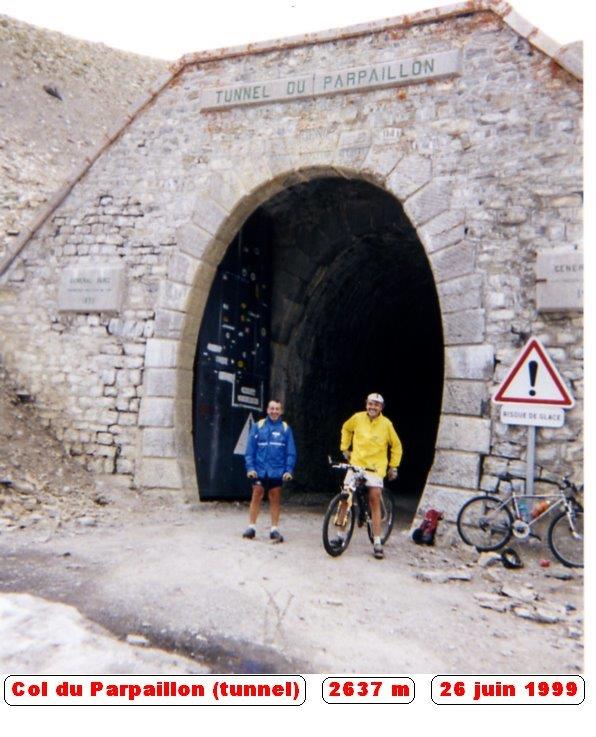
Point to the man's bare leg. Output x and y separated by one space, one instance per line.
275 505
255 503
374 499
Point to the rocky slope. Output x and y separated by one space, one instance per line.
40 484
58 96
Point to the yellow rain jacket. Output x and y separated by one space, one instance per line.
369 441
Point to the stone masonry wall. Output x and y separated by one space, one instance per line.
487 166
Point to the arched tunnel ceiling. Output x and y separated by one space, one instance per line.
346 234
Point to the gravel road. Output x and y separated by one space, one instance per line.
182 576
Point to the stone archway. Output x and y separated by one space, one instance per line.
463 435
353 309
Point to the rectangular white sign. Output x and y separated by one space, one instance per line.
91 288
559 280
355 79
532 414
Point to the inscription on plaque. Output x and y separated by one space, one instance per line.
354 139
559 281
356 79
91 289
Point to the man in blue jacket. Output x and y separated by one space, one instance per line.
270 459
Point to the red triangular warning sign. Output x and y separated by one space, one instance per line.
533 379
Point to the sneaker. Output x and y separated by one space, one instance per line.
378 551
276 536
249 533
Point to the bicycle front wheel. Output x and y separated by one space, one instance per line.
387 517
566 537
485 522
338 526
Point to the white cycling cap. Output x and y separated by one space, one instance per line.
375 398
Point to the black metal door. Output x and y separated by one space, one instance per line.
231 379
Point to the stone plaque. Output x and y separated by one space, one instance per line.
559 280
91 288
357 79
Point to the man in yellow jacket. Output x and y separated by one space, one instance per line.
369 435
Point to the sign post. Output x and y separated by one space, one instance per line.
533 394
530 459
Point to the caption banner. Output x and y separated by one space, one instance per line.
154 691
287 690
492 690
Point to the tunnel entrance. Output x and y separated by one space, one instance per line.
353 310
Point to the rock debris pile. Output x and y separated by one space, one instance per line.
540 596
40 484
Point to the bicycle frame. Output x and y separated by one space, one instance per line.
563 496
487 521
357 486
516 498
351 506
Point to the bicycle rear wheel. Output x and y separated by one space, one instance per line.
566 537
387 517
332 529
485 523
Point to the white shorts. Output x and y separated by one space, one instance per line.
372 479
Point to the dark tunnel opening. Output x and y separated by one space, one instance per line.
353 310
370 322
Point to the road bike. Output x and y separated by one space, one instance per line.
488 521
351 507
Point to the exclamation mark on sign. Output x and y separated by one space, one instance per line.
533 369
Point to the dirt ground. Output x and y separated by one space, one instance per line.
182 576
186 580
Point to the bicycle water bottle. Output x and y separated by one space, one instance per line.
539 508
524 509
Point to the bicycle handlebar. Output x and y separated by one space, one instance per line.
348 466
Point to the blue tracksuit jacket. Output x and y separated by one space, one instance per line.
270 451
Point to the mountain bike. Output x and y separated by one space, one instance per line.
488 522
351 507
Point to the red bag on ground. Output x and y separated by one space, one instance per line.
425 534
